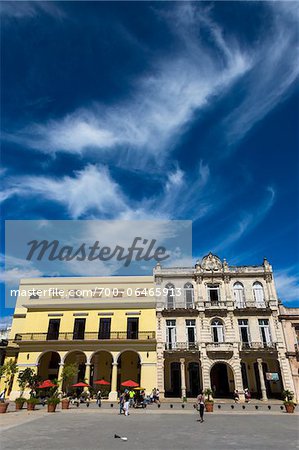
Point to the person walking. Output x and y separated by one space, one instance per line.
127 403
99 398
121 403
200 405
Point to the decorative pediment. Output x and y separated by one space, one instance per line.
211 262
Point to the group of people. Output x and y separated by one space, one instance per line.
131 398
246 394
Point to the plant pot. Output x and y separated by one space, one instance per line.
209 407
51 407
3 407
30 406
65 404
289 408
19 405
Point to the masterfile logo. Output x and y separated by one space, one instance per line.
92 248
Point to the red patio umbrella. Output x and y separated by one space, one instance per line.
130 383
103 382
80 384
46 384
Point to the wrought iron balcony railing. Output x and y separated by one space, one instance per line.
87 336
252 304
219 346
177 346
258 345
179 305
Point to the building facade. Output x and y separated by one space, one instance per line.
289 318
218 328
182 330
106 326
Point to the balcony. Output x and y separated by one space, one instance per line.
87 336
219 347
258 346
181 346
252 305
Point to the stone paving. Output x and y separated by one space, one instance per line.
156 429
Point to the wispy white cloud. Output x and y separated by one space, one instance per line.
273 73
287 284
154 116
247 222
29 9
5 322
92 192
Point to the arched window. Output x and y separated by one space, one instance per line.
217 330
258 294
170 296
189 295
239 295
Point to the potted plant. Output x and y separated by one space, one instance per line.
31 403
68 373
288 402
20 403
52 402
209 402
7 371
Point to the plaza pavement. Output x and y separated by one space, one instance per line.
154 428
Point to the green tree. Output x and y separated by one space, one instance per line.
8 370
28 378
69 371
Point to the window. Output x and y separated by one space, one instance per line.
53 330
191 332
105 327
132 328
171 334
189 295
170 296
258 294
265 331
79 329
239 295
213 293
297 334
217 331
244 332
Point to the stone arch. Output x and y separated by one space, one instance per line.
79 358
48 365
101 368
222 378
128 367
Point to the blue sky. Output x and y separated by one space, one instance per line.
157 110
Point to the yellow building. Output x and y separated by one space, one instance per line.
105 325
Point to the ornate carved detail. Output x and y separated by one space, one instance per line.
159 280
268 277
211 262
226 279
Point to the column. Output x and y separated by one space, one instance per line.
87 374
262 379
183 377
59 376
113 392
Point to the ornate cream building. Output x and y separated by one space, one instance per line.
218 328
289 318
